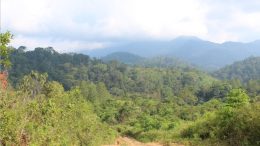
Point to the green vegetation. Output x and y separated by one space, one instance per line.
4 50
246 70
158 61
42 113
100 101
120 79
123 57
237 122
165 62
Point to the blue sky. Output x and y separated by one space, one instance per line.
75 25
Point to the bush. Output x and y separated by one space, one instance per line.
237 122
235 126
51 117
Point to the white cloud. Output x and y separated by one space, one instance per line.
233 20
58 44
39 22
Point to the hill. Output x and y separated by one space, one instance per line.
103 100
158 61
71 69
165 62
248 69
124 57
191 49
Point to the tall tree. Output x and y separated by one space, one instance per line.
5 39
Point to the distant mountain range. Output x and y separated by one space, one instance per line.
206 54
124 57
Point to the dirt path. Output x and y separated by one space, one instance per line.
125 141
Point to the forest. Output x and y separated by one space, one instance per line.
57 98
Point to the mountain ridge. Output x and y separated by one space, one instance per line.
191 49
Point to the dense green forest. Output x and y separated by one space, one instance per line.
161 61
120 79
246 70
72 99
124 57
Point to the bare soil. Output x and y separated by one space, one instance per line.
126 141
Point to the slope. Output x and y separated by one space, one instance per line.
248 69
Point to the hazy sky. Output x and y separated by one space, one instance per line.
72 25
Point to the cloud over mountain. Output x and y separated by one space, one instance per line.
95 24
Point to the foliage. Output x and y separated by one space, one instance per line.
237 98
33 83
123 57
52 117
248 69
5 39
237 122
71 69
148 103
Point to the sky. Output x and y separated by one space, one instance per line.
78 25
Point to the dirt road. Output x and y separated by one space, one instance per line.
125 141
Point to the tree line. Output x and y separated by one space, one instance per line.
72 99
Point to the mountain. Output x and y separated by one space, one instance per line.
71 69
248 69
165 62
124 57
157 62
191 49
110 99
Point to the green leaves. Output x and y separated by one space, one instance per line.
237 98
235 122
5 38
4 51
51 117
33 83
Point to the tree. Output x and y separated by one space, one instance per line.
5 63
88 90
237 98
102 91
33 83
5 39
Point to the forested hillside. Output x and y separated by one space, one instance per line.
148 103
248 69
158 61
129 73
124 57
120 79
